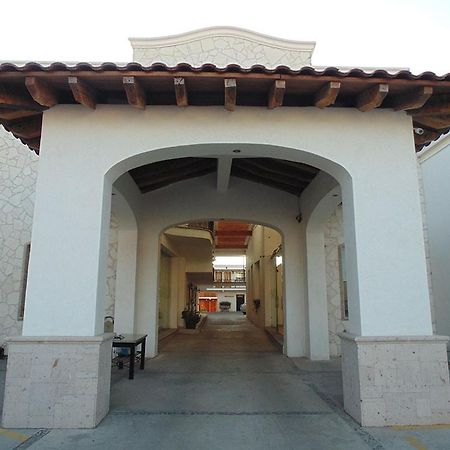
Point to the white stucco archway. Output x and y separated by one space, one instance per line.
370 155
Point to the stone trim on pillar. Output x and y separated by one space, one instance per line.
396 380
57 382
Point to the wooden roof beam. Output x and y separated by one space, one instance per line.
233 233
41 91
413 100
135 92
276 94
230 93
240 173
270 172
436 122
224 164
265 178
82 92
181 93
426 137
372 97
439 104
14 100
34 144
26 128
11 114
327 95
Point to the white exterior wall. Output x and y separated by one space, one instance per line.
435 165
326 139
18 172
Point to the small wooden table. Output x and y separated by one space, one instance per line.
131 341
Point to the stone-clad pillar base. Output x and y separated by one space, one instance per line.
397 380
57 382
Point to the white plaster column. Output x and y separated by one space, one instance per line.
395 371
385 253
67 273
146 313
295 319
126 266
58 373
177 289
319 348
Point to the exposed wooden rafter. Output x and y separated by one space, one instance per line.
327 95
242 173
233 233
26 128
26 93
278 167
372 97
15 100
426 137
82 92
439 104
230 93
135 92
41 91
263 173
34 144
276 94
181 93
412 100
11 114
436 122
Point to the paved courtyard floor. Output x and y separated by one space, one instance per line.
228 387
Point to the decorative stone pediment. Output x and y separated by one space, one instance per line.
222 46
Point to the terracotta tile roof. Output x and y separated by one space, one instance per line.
426 97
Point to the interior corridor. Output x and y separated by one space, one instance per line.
224 332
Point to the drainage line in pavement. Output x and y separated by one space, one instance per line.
220 413
373 443
34 438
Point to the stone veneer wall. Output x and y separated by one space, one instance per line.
222 47
18 171
334 236
18 174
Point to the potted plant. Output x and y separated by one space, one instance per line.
191 318
190 315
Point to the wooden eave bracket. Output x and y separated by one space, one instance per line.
181 93
437 105
230 93
327 95
413 100
82 92
41 91
17 100
276 94
372 97
135 92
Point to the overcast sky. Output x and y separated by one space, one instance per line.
399 33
